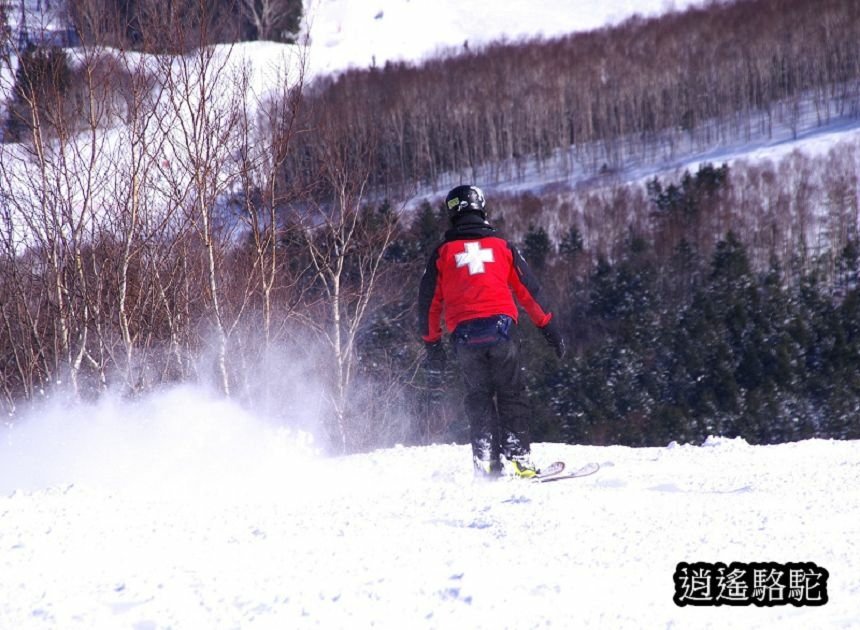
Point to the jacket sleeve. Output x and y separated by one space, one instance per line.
527 290
430 302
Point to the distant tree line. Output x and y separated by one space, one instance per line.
642 90
176 26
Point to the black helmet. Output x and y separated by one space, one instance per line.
465 199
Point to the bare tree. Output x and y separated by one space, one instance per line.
276 20
203 142
262 174
54 177
346 242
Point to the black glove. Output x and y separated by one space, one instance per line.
553 336
435 358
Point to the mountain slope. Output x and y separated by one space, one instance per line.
350 33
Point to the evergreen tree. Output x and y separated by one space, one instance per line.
571 245
537 248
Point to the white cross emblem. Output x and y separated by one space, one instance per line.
475 257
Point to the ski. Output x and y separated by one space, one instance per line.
550 470
583 471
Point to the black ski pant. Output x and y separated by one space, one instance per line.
496 402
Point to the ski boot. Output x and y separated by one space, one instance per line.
522 466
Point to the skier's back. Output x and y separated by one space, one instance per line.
473 279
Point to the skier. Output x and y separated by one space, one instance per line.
473 277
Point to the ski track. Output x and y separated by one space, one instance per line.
406 538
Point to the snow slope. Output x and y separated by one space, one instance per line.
361 33
405 538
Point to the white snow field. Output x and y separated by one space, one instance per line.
189 513
362 33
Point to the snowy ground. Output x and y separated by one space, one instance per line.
230 528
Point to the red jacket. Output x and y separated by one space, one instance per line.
475 274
